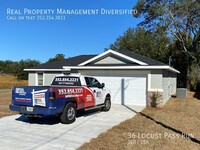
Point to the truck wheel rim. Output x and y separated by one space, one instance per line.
71 113
107 104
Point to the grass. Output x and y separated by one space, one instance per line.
5 100
8 81
175 126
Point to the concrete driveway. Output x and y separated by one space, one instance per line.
18 132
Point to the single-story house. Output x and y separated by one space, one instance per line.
132 78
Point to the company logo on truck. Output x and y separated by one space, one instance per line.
20 91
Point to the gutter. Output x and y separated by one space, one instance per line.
120 67
50 70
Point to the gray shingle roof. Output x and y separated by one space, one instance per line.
73 61
142 58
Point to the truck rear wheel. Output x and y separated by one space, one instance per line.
107 104
69 114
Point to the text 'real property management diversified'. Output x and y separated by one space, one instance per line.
61 11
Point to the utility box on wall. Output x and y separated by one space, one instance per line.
181 93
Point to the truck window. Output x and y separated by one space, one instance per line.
95 82
92 82
66 81
87 81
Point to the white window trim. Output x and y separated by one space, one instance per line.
43 78
36 82
36 78
149 82
110 51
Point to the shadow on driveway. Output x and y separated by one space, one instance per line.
47 120
51 120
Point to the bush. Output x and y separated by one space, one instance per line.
154 99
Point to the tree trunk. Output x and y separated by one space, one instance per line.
188 72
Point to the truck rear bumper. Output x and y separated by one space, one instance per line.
36 110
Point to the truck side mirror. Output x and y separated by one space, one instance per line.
103 85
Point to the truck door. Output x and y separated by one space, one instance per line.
95 86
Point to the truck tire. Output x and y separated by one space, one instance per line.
69 114
107 104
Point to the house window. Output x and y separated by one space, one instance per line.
40 78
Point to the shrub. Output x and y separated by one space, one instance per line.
154 99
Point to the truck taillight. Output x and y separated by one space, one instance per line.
52 97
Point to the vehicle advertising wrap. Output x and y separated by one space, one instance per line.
62 98
21 96
30 96
66 81
81 94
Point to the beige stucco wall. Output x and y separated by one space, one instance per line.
113 72
31 79
169 84
47 78
156 79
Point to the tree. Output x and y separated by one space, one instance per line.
148 43
24 64
57 58
196 46
180 18
8 67
179 62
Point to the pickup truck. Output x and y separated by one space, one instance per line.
66 95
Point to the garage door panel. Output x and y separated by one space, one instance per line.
114 85
135 91
126 90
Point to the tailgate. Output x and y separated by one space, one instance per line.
30 95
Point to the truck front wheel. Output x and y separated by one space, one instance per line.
107 104
69 114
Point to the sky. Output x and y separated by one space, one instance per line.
76 34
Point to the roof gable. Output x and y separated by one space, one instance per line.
109 60
113 57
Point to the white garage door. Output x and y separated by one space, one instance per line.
126 90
